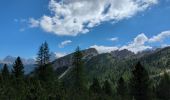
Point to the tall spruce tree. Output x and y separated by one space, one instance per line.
46 52
107 89
39 58
77 84
78 70
95 87
45 71
18 68
121 88
5 72
43 56
95 90
163 88
140 83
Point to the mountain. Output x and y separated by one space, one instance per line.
67 60
11 60
115 64
29 64
8 60
122 54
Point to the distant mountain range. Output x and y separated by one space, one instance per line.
29 64
11 60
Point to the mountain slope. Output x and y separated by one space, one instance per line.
119 63
67 60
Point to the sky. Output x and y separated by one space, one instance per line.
110 25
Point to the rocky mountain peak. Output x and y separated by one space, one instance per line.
122 53
67 60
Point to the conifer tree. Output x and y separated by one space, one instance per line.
45 71
5 72
43 56
107 89
121 88
18 68
39 58
18 79
78 70
95 87
77 84
95 90
163 88
140 83
46 53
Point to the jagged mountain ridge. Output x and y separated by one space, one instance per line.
119 62
67 60
29 64
11 60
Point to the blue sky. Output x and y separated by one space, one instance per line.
137 26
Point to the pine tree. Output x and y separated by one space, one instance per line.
77 84
39 58
78 71
18 79
45 71
95 90
121 88
163 88
43 56
107 89
46 53
140 83
5 73
18 68
95 87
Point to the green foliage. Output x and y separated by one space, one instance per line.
107 89
140 83
43 56
121 89
95 88
163 88
113 80
18 68
5 73
78 74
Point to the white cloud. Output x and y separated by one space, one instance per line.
165 45
60 54
72 17
33 23
137 45
113 39
160 37
64 43
104 49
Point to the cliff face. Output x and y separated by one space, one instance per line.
66 61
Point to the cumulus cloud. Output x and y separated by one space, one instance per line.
72 17
113 39
33 23
64 43
104 49
160 37
137 45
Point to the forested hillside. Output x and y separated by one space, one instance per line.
88 75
